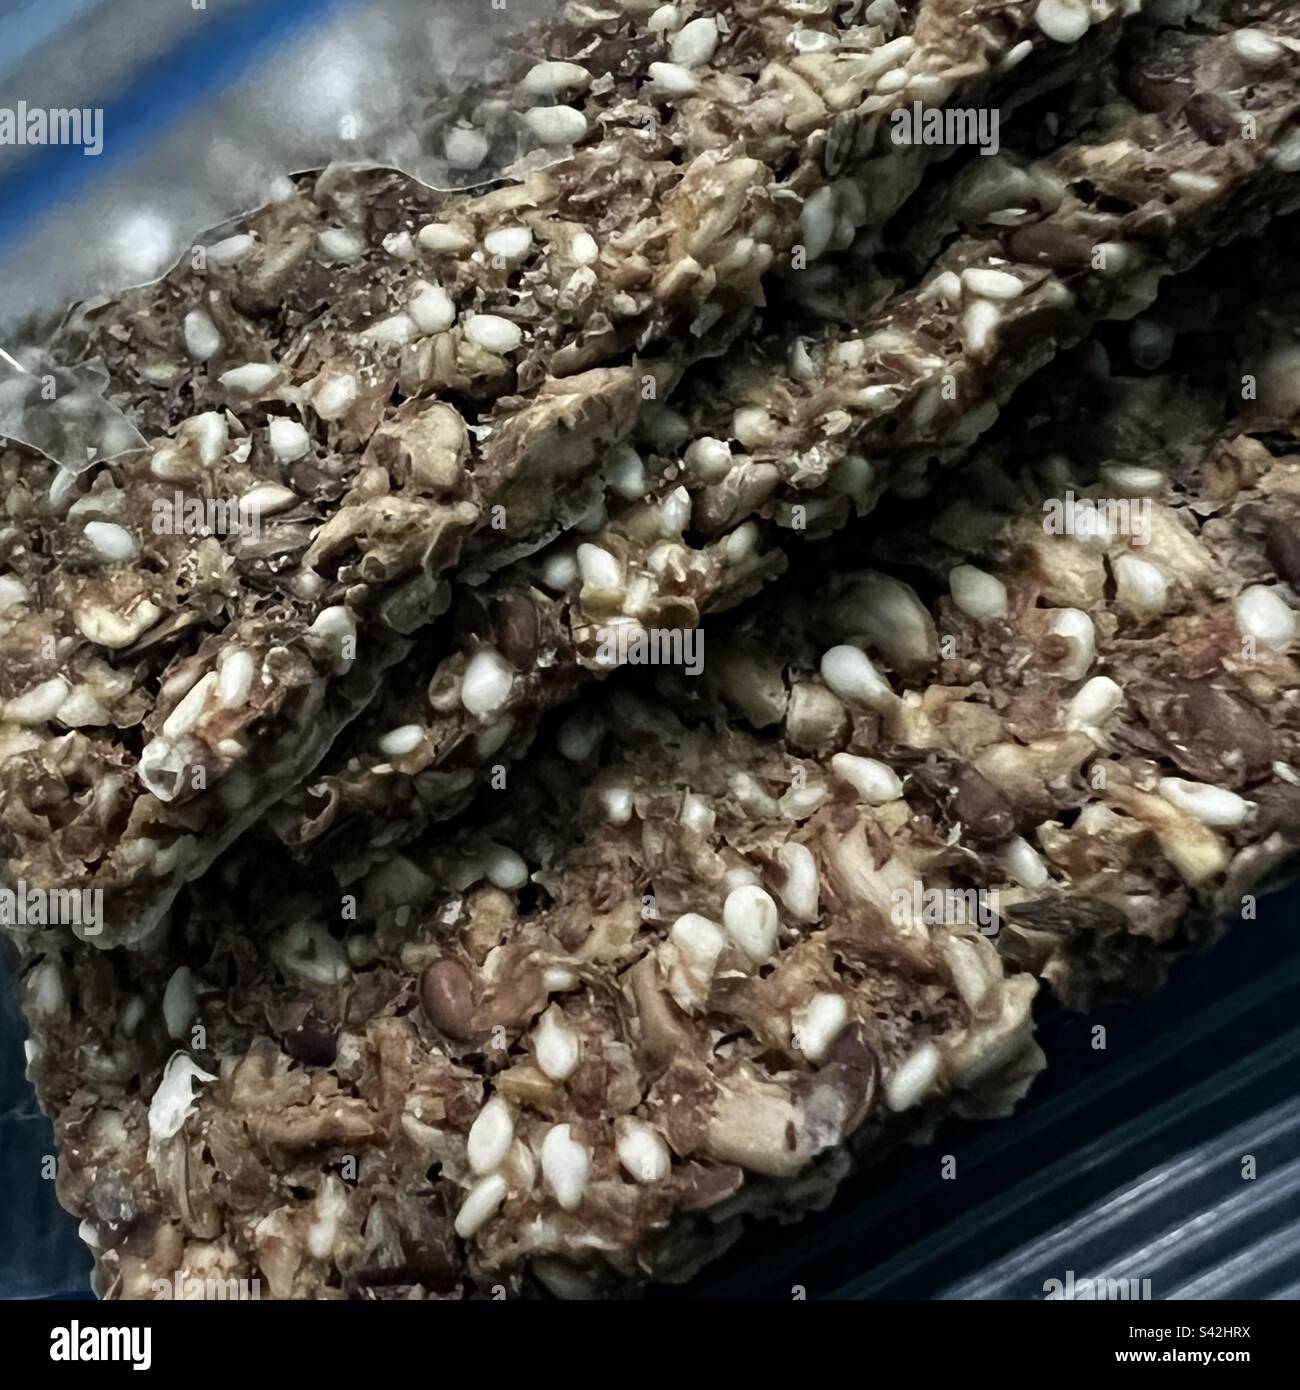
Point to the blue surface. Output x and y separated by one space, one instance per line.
161 94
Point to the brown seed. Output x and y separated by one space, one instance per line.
1211 118
1043 244
1282 546
447 997
519 631
983 810
958 795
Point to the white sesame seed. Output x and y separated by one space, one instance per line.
1262 615
1140 587
625 473
234 678
1189 181
992 284
618 804
800 893
696 815
709 459
400 245
190 709
695 43
1097 700
584 249
180 1003
1213 806
557 1046
641 1150
107 628
487 683
945 287
698 940
490 1137
914 1079
231 250
801 363
753 427
1024 863
1016 55
600 571
337 628
559 571
267 499
1113 257
667 19
675 512
394 331
289 441
445 240
751 921
406 738
1286 153
480 1205
39 704
505 868
875 782
492 332
565 1166
1077 628
978 594
251 379
817 222
673 80
510 243
431 308
1256 49
556 125
852 677
210 432
551 78
979 323
818 1023
335 397
202 338
111 541
1063 21
161 768
1134 480
340 244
